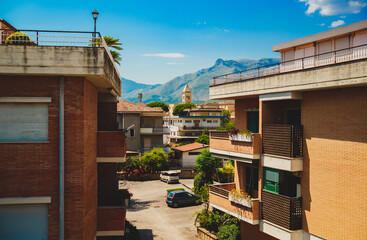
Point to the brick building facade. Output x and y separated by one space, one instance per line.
57 107
305 168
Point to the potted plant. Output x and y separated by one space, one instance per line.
240 197
244 135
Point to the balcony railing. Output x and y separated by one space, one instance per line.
283 140
282 210
219 140
60 39
333 57
219 198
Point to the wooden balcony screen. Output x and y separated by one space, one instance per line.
221 190
283 140
282 210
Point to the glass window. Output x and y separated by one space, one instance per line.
187 121
132 132
271 180
209 121
215 121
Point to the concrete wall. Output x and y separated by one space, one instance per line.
92 63
155 141
352 73
334 173
133 143
188 161
151 122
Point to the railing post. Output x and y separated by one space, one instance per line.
292 139
37 39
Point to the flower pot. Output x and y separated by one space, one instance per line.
239 200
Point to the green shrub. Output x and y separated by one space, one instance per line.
131 233
229 232
203 138
174 189
213 220
156 160
19 38
226 174
178 110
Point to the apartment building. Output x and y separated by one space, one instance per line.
192 123
147 131
305 168
59 138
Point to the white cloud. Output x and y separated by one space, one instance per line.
322 24
334 7
165 55
337 23
172 63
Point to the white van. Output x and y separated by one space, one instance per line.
169 176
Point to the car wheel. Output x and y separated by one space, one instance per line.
175 204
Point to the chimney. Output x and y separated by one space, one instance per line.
140 97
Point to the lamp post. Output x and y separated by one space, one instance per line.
95 16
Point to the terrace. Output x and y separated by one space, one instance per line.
67 53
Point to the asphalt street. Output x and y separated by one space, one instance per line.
149 212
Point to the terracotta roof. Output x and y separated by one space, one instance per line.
124 106
190 147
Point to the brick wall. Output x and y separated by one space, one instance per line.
107 116
111 218
111 144
252 232
31 169
334 175
90 164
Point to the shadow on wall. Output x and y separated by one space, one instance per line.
146 234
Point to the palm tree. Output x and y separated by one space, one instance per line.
114 43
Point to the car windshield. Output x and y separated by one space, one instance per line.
170 195
173 174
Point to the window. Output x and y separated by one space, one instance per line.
23 122
132 132
187 121
209 121
210 114
194 153
218 114
271 180
215 121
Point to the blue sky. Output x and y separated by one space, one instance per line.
163 39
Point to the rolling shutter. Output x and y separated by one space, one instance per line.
23 221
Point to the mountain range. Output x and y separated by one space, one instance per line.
170 92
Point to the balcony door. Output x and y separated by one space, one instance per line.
253 121
294 117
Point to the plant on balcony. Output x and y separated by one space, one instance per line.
240 197
243 135
19 38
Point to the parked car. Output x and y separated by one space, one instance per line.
181 197
169 176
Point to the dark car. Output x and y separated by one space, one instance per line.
181 197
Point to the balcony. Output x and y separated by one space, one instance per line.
346 67
283 211
111 221
219 199
111 145
221 145
282 147
157 130
66 53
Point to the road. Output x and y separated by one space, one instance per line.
149 212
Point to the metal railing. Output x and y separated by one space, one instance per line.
333 57
51 38
219 134
221 190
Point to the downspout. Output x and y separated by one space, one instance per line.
61 159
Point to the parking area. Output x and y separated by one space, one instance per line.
149 212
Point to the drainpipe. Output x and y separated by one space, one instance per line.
61 159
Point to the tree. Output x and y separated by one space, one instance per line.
203 138
156 160
159 104
207 164
178 110
227 114
114 43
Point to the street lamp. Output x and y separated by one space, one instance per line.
95 16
